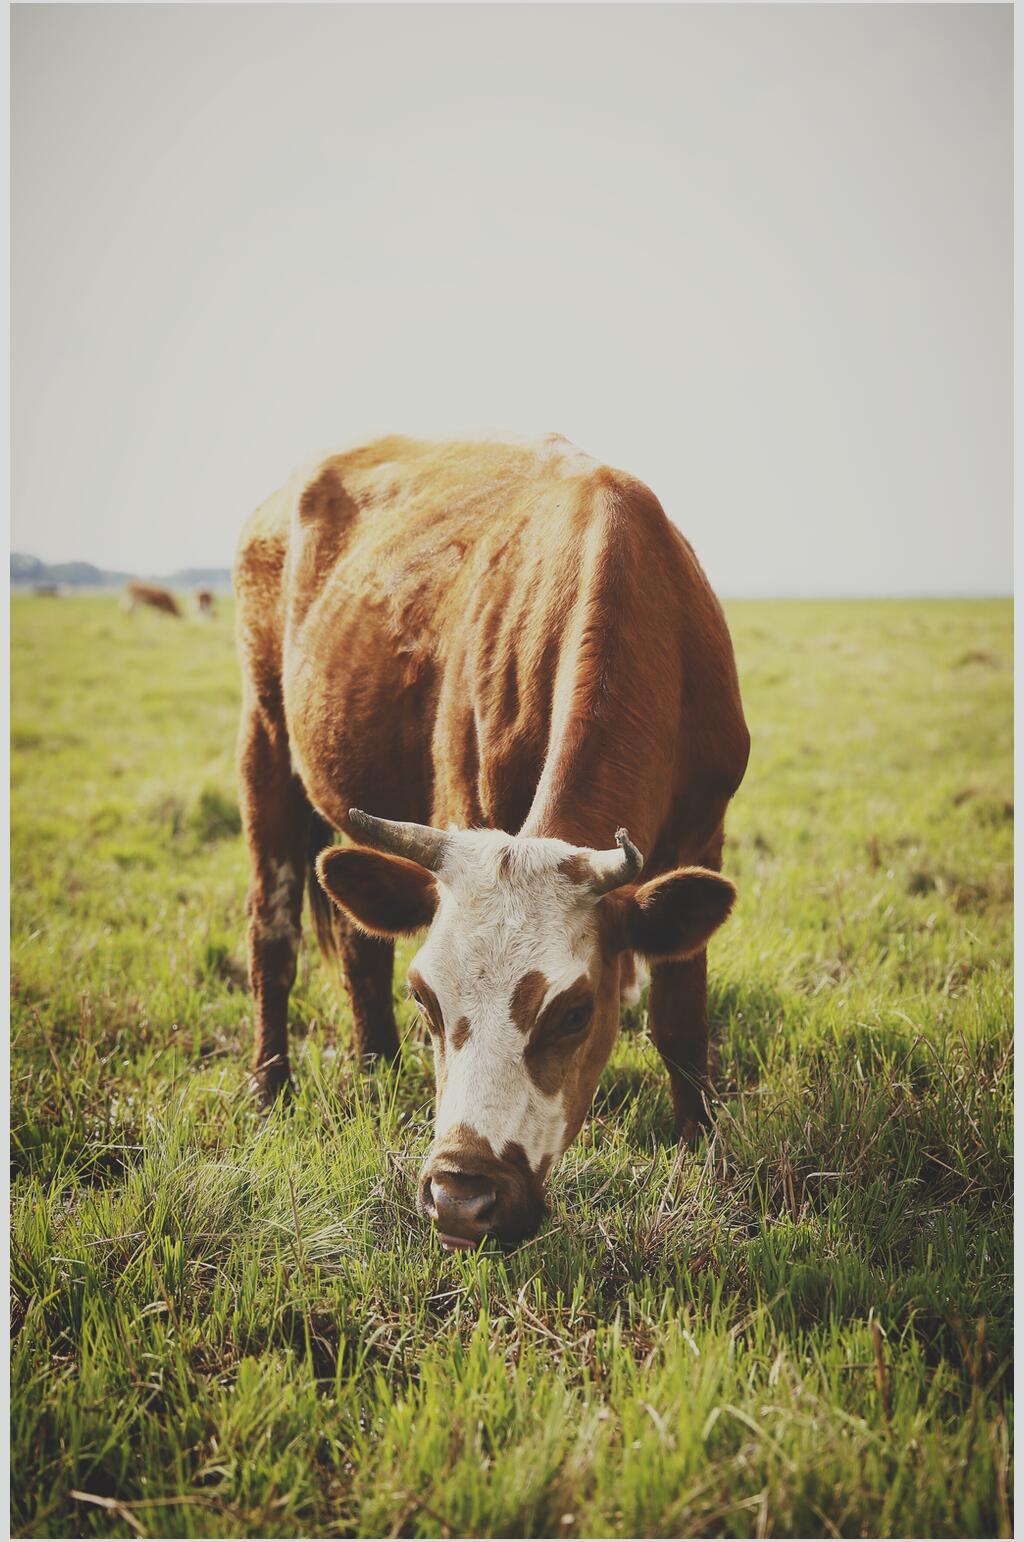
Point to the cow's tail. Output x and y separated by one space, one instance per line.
325 917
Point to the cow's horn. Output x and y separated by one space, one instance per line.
613 868
420 843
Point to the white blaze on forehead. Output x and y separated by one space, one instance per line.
489 1089
504 911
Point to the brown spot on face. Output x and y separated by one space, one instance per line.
460 1033
559 1032
515 1155
576 869
463 1147
526 999
428 1003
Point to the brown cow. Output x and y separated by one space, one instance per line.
150 594
205 603
472 639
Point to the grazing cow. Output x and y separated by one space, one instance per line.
47 591
205 603
150 594
509 658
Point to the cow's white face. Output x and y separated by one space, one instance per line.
517 994
518 983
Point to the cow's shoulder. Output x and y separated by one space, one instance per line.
257 580
262 543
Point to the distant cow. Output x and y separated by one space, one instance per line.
47 591
471 640
150 594
205 602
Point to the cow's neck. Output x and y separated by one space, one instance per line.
584 816
613 738
601 771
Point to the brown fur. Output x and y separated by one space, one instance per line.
627 973
576 869
482 634
428 1002
152 595
387 896
551 1043
526 999
671 917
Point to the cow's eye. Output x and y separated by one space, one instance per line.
415 995
578 1018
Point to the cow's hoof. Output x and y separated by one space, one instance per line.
691 1131
271 1085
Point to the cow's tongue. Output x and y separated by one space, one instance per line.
451 1243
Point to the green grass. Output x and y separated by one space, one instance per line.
226 1325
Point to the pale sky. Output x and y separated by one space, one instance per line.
758 256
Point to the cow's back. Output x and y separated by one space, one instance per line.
491 633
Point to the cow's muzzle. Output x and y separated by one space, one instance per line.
496 1198
460 1206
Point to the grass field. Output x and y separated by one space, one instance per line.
227 1325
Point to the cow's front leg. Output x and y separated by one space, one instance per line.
677 1014
368 964
275 814
678 1021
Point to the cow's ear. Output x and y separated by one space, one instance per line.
672 917
387 896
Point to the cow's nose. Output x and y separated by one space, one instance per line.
459 1204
